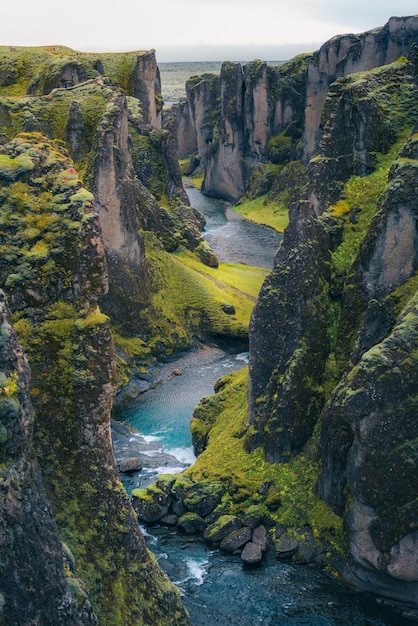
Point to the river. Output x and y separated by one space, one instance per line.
217 589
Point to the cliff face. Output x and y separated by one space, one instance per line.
368 427
338 314
346 55
53 268
283 400
263 108
60 245
234 116
27 527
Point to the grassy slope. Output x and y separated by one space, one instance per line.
186 301
265 212
290 498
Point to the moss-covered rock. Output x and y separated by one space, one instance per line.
191 523
54 275
350 143
33 560
286 367
223 526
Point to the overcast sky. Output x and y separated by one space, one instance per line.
193 30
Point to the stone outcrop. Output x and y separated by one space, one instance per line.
53 269
261 111
367 428
347 54
284 400
350 143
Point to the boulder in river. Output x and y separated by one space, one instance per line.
130 465
286 546
148 507
191 523
236 540
260 537
223 526
251 554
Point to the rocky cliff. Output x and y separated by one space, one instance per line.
53 269
92 208
261 111
311 453
28 529
60 245
337 314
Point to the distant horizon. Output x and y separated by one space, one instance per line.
241 53
191 30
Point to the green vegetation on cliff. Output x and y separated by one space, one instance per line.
284 493
39 70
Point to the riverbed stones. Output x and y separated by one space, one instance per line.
260 537
236 540
170 520
251 554
192 508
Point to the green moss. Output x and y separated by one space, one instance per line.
361 194
291 497
94 318
11 168
142 494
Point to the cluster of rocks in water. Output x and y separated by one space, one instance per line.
175 500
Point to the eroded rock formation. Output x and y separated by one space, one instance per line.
261 109
28 529
298 347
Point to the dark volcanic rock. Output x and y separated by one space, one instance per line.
288 340
223 526
251 554
260 537
236 539
286 546
130 464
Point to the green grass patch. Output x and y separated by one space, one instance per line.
195 180
244 278
187 299
264 212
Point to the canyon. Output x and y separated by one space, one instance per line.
105 272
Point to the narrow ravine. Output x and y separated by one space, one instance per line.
217 589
